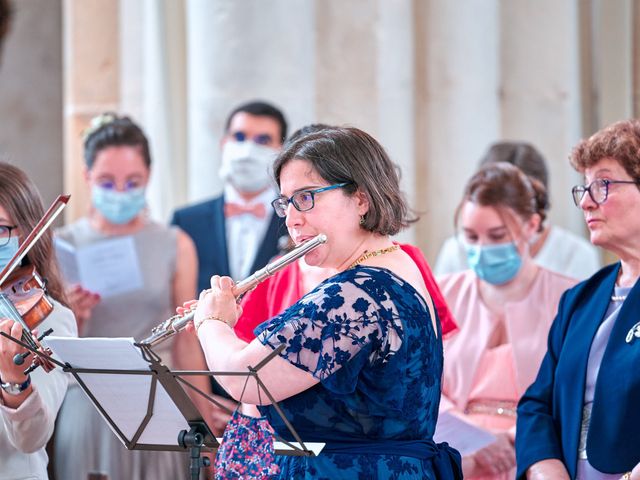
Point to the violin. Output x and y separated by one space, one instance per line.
27 292
23 296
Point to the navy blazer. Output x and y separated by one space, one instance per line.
550 412
204 223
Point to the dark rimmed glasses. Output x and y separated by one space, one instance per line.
5 234
302 200
598 190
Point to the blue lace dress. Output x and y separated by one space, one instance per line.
367 336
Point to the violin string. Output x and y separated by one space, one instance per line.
8 310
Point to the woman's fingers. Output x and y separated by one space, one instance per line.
497 457
186 306
14 329
226 283
223 284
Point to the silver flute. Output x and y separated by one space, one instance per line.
173 325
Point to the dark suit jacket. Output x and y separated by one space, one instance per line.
550 412
204 222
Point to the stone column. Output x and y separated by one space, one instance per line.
31 94
395 84
540 95
91 86
456 113
153 79
239 51
365 76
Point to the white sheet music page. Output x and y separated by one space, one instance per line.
109 267
124 397
461 435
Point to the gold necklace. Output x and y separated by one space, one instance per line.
366 255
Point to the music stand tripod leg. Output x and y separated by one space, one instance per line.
194 440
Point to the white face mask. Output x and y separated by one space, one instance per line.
247 165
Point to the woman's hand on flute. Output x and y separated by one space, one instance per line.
186 308
218 303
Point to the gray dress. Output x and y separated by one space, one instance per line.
84 442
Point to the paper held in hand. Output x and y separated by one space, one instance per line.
109 267
461 435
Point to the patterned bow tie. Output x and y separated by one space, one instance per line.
234 209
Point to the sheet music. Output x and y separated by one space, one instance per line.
124 397
461 435
315 447
109 267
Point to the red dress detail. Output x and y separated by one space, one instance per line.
283 289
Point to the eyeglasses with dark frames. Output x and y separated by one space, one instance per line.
303 201
5 234
598 190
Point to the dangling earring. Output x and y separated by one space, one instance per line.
361 220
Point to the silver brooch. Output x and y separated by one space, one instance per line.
634 332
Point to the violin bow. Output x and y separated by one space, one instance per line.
47 219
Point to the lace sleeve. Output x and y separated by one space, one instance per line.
339 320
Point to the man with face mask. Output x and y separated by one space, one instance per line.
237 233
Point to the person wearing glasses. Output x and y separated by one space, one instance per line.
281 290
362 360
580 418
117 169
28 403
236 233
504 305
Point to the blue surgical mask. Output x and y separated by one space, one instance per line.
496 264
8 251
118 207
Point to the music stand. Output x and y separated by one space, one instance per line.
166 418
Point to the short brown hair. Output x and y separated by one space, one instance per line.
20 198
503 185
349 155
619 141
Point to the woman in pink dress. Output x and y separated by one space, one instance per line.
504 306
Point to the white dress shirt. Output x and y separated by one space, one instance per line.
246 232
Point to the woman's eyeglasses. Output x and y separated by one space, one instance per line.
5 234
302 200
598 190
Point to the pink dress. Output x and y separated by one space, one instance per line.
483 380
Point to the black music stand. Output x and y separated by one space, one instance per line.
166 397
